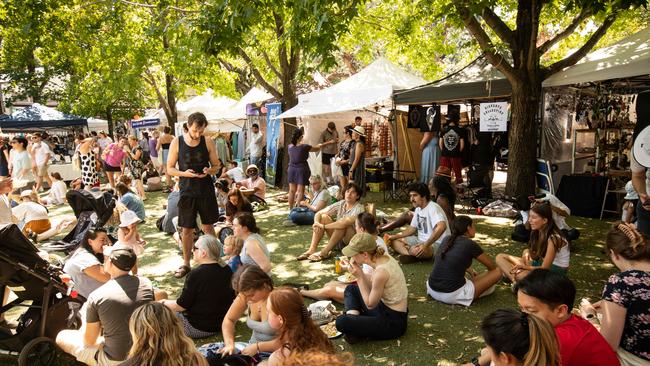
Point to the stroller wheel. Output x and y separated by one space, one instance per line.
39 351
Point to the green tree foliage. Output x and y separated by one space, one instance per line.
281 42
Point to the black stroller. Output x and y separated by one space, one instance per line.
34 281
91 212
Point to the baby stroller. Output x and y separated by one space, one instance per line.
91 212
33 280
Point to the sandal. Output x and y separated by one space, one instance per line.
182 271
297 286
303 257
317 257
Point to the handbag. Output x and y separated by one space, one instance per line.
336 170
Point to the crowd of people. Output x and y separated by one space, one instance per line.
211 211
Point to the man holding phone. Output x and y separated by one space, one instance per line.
197 161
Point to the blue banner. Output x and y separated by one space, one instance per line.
272 140
145 122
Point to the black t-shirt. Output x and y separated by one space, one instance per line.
451 137
207 296
448 274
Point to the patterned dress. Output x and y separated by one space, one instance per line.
88 166
136 166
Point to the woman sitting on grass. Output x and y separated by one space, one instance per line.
365 223
547 247
86 264
236 204
254 250
518 339
158 339
624 306
253 287
447 282
377 306
297 332
318 198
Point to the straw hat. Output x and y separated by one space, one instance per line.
443 171
360 130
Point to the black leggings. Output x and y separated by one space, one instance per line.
381 322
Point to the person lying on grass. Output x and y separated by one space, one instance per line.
447 282
428 227
365 223
547 247
377 306
342 229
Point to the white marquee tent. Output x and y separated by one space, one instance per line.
207 103
627 58
233 118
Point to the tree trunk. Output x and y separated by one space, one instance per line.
522 139
109 121
172 117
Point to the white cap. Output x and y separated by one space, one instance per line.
128 217
26 193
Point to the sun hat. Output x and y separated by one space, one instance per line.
360 130
128 217
252 167
26 193
641 148
121 255
443 171
362 242
631 192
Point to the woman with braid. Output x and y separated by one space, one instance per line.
297 332
447 282
626 313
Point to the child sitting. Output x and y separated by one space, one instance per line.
232 247
57 191
128 234
629 207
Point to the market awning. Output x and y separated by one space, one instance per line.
39 117
627 58
369 87
478 80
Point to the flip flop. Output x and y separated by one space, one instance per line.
317 257
182 271
303 257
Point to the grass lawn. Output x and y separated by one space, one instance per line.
437 334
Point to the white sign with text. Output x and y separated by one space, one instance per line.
494 117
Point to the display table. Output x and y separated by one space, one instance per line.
66 170
583 194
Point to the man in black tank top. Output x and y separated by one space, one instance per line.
197 160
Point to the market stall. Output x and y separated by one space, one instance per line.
366 94
590 117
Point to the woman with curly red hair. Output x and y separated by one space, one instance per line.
296 330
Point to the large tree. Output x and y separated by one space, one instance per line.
513 37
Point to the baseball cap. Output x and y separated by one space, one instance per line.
362 242
121 255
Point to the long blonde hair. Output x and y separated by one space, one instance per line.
158 338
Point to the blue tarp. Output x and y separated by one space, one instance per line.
39 116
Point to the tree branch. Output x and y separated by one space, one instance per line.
582 51
498 26
270 64
258 76
151 80
584 14
474 27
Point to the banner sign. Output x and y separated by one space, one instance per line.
145 122
494 117
273 125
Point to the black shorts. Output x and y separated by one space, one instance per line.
110 168
206 207
325 158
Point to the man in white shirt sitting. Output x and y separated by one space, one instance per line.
234 174
429 227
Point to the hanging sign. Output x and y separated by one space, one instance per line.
494 117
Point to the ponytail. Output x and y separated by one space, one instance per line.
544 348
458 228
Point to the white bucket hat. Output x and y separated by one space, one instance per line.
128 217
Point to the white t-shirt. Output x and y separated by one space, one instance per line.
103 143
256 144
236 174
30 211
638 168
58 192
425 219
40 153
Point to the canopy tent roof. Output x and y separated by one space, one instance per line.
96 124
478 80
206 103
628 58
369 87
39 117
238 110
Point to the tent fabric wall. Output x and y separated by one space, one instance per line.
627 58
